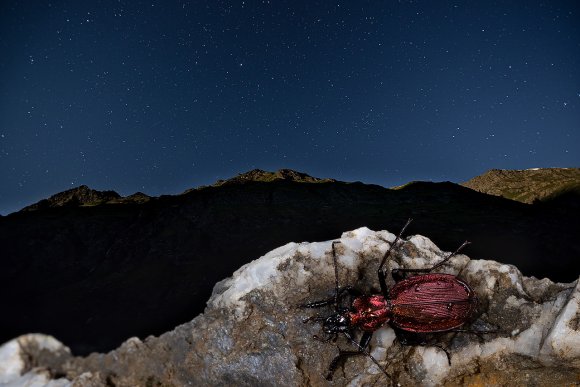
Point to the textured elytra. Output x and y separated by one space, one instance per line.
432 303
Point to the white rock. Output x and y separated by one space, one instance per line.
12 364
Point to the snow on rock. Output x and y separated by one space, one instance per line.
252 331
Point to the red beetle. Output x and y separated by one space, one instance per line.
424 303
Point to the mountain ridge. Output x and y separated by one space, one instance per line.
515 185
84 196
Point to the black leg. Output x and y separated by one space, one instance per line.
381 272
412 339
479 334
334 260
330 301
339 359
343 355
338 293
399 274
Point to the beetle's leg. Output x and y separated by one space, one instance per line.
399 274
343 355
407 338
314 318
479 334
338 293
412 339
331 337
330 301
381 272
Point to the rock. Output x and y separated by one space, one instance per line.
252 331
30 360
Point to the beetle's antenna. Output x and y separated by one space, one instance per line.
380 271
366 352
394 243
450 255
334 259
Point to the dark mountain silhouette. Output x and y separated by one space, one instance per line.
101 269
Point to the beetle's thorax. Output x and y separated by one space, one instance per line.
369 313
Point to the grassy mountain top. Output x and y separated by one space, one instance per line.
266 176
529 185
84 196
78 196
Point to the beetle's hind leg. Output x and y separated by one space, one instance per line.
478 333
421 339
400 274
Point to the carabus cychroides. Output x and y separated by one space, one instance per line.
421 304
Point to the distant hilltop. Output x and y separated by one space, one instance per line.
84 196
528 185
281 174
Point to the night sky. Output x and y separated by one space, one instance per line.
161 96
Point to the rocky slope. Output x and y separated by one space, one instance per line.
94 275
252 332
529 185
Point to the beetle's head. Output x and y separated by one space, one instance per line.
337 323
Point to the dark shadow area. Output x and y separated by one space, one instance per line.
95 276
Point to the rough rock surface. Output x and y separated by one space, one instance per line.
252 333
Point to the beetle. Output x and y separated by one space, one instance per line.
415 306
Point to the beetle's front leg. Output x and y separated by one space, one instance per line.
331 300
343 355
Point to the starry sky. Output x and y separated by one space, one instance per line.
161 96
